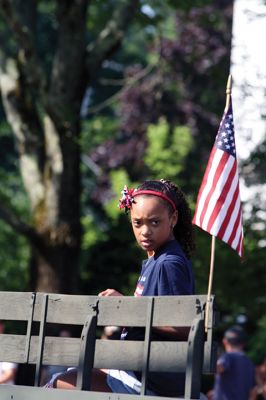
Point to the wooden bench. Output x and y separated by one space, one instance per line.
194 356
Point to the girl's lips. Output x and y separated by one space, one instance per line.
146 243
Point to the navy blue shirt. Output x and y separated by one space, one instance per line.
167 273
238 378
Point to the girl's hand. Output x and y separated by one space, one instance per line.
110 292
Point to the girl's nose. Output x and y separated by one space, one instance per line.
145 230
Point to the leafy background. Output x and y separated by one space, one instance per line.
152 111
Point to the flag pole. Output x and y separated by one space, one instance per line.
228 92
228 95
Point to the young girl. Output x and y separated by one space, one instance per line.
161 222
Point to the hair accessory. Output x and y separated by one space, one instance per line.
126 199
155 193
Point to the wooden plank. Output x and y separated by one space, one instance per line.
68 309
168 310
65 309
121 311
57 350
15 305
164 356
12 348
8 392
177 310
118 354
170 356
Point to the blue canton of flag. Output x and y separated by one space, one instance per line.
225 139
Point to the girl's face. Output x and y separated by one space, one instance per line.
151 222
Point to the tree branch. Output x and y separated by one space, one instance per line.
67 77
111 36
130 82
23 118
17 224
23 31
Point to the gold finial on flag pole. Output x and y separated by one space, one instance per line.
228 91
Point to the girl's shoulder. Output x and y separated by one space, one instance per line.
171 251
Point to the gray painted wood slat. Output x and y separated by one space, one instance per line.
168 356
124 311
15 305
8 392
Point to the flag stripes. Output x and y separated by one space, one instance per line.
218 209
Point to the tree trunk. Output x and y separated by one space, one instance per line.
44 113
51 176
45 122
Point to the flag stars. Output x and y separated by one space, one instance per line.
225 137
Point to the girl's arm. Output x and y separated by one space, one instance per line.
110 292
170 332
8 375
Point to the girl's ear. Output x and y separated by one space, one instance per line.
174 218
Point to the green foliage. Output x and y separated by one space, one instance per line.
100 12
96 130
167 149
161 18
119 179
159 8
46 26
14 259
91 232
257 342
14 249
186 5
110 256
113 261
255 165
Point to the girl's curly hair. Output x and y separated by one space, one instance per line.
183 230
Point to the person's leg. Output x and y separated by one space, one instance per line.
68 380
99 381
125 382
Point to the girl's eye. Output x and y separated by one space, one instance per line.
136 223
155 222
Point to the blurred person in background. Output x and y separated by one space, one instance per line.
235 372
260 392
111 332
8 370
49 370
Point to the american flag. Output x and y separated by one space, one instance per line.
218 209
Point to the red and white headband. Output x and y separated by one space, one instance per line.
128 197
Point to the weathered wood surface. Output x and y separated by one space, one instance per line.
34 393
120 311
170 356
